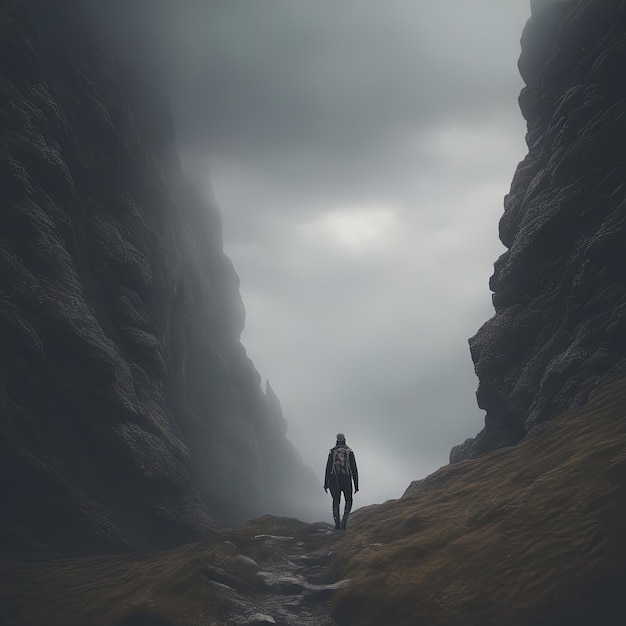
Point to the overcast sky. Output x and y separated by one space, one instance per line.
359 151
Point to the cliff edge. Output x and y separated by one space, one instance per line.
130 414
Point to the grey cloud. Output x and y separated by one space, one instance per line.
266 77
319 123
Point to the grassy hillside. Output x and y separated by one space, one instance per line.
527 536
530 535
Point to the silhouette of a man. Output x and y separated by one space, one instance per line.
341 471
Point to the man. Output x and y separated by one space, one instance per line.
340 472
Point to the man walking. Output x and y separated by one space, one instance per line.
340 472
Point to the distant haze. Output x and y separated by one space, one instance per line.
359 152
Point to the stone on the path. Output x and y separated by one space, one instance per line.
315 593
221 585
260 618
273 537
219 576
248 561
284 584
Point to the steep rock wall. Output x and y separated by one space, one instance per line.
559 292
130 415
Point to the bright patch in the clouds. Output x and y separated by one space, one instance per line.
354 230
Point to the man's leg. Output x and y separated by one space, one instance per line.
335 492
346 488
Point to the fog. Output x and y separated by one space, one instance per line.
359 152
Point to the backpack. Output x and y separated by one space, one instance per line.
341 461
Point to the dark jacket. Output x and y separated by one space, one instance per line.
353 468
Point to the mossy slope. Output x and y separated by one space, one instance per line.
530 535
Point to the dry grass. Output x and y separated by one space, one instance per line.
525 536
528 536
109 590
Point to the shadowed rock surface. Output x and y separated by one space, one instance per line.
559 292
129 411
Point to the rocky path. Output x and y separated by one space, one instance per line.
287 579
268 571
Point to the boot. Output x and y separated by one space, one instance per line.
344 522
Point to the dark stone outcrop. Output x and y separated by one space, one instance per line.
130 415
559 292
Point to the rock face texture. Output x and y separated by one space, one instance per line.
130 415
559 292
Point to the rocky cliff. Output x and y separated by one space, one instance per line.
130 414
559 292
